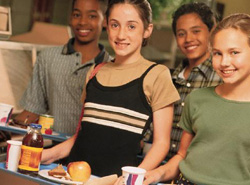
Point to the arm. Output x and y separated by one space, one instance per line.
170 170
59 151
162 120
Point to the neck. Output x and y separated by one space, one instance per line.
128 59
234 92
195 62
88 51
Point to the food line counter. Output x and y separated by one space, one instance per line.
14 178
59 137
11 178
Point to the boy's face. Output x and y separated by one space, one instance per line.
192 37
86 21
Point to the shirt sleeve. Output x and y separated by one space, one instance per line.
34 98
186 121
162 91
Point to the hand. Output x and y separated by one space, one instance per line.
153 176
118 181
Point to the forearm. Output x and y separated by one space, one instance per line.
57 152
171 168
155 155
166 172
162 120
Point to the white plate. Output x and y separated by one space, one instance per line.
44 173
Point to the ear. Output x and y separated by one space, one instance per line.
148 31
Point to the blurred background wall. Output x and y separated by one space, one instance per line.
162 48
44 23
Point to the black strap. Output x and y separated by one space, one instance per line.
146 72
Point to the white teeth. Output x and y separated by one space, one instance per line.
84 31
191 47
228 72
121 44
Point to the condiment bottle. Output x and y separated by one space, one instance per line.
31 150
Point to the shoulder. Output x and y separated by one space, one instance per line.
51 50
201 94
50 55
157 69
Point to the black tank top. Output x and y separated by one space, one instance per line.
113 124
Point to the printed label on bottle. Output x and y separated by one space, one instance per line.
30 158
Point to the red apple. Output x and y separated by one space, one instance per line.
79 171
48 131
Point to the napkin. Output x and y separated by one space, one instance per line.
107 180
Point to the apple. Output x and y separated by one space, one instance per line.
48 131
79 171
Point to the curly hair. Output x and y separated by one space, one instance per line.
103 4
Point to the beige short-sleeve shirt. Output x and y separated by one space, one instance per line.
158 87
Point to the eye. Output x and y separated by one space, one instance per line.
196 31
131 27
114 25
216 53
234 52
92 16
180 34
76 15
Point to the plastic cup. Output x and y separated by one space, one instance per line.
133 175
5 112
13 154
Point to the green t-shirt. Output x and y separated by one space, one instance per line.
219 153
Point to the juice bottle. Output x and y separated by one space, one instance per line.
31 150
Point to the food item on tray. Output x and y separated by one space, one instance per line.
107 180
31 150
19 124
59 170
79 171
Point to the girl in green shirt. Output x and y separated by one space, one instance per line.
215 143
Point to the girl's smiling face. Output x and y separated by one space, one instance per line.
126 31
231 56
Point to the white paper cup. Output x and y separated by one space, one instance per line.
5 112
132 175
13 154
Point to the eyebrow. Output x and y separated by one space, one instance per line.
194 27
131 21
90 11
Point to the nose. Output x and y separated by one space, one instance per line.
189 37
121 33
225 60
83 20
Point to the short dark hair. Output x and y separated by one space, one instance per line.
142 6
103 5
201 9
